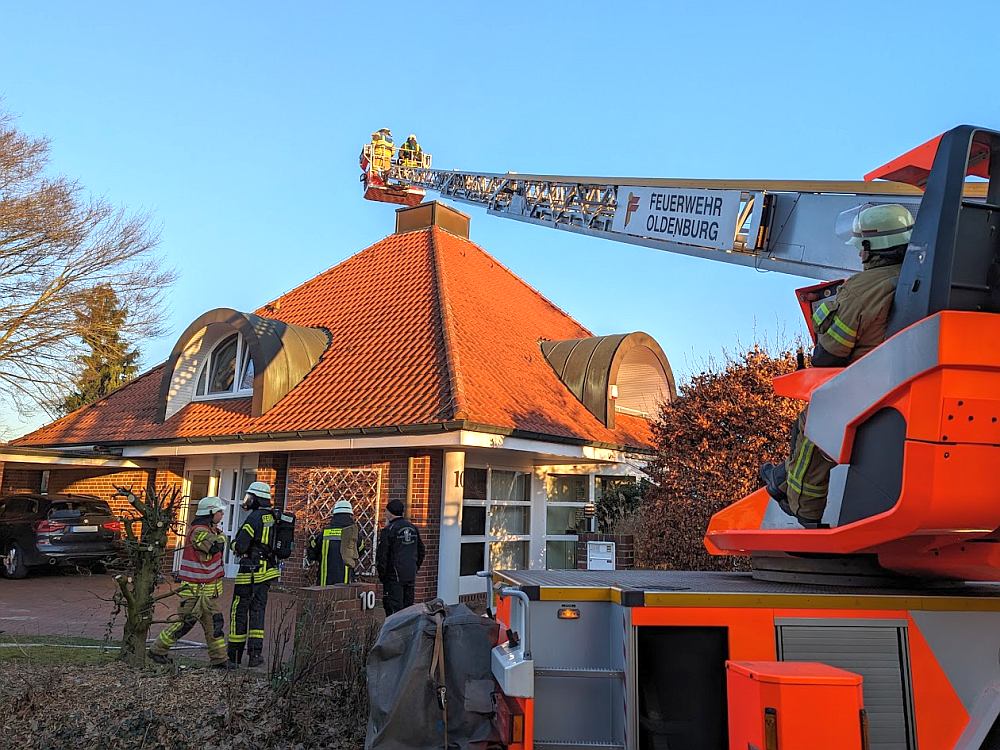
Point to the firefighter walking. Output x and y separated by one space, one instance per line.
200 574
847 328
258 567
337 548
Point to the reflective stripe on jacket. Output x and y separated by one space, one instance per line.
198 564
855 321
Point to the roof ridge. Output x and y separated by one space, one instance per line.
521 280
447 330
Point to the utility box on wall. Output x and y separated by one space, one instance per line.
600 555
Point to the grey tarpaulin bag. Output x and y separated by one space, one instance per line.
431 665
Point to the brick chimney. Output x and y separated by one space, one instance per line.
432 214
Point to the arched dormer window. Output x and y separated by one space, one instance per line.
229 354
227 371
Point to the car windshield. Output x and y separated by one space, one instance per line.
85 507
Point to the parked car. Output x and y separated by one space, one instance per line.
37 530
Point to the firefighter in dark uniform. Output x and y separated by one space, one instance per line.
398 556
847 328
337 548
258 567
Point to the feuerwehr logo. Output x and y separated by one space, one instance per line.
631 207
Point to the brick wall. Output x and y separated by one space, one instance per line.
19 478
333 630
271 469
624 549
395 467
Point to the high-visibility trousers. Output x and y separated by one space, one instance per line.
808 474
246 625
197 605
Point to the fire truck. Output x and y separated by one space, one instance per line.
880 630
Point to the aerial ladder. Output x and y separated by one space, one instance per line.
913 512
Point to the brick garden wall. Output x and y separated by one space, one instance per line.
624 549
424 483
331 627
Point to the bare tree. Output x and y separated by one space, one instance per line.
58 247
137 571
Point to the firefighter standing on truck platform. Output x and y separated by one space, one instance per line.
398 556
337 548
200 575
258 567
410 153
847 328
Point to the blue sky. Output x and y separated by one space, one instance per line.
237 125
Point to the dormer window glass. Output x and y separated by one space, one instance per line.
228 370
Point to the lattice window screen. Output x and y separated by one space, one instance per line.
361 486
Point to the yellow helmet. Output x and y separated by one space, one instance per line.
881 226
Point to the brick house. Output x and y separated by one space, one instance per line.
419 369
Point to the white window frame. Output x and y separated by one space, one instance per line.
487 539
588 478
242 360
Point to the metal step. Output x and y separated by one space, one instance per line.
578 672
573 744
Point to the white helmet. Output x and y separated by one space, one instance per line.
879 227
207 506
343 506
260 489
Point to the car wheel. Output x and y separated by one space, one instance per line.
13 562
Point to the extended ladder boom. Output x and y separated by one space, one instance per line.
776 225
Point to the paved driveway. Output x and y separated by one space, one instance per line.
77 604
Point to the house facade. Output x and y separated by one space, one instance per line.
419 369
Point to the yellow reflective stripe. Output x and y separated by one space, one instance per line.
798 469
217 643
333 532
849 343
322 564
249 529
820 314
237 638
232 618
255 634
844 328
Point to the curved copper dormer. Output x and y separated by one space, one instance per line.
625 372
281 355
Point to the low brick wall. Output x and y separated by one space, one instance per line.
624 549
334 627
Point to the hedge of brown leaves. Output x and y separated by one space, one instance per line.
710 444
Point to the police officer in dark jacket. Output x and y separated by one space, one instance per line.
399 555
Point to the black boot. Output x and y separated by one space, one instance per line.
775 478
162 659
224 665
235 653
256 659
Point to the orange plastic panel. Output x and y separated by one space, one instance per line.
811 705
801 383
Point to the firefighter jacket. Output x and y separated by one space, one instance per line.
382 151
855 321
399 553
200 570
336 548
253 546
410 154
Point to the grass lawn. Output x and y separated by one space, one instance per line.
48 650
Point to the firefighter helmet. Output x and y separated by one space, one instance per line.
880 227
208 506
260 489
343 506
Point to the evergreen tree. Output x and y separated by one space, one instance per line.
111 361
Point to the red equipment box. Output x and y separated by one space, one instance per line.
785 705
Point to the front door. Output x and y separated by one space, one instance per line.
232 487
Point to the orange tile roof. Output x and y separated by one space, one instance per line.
426 328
